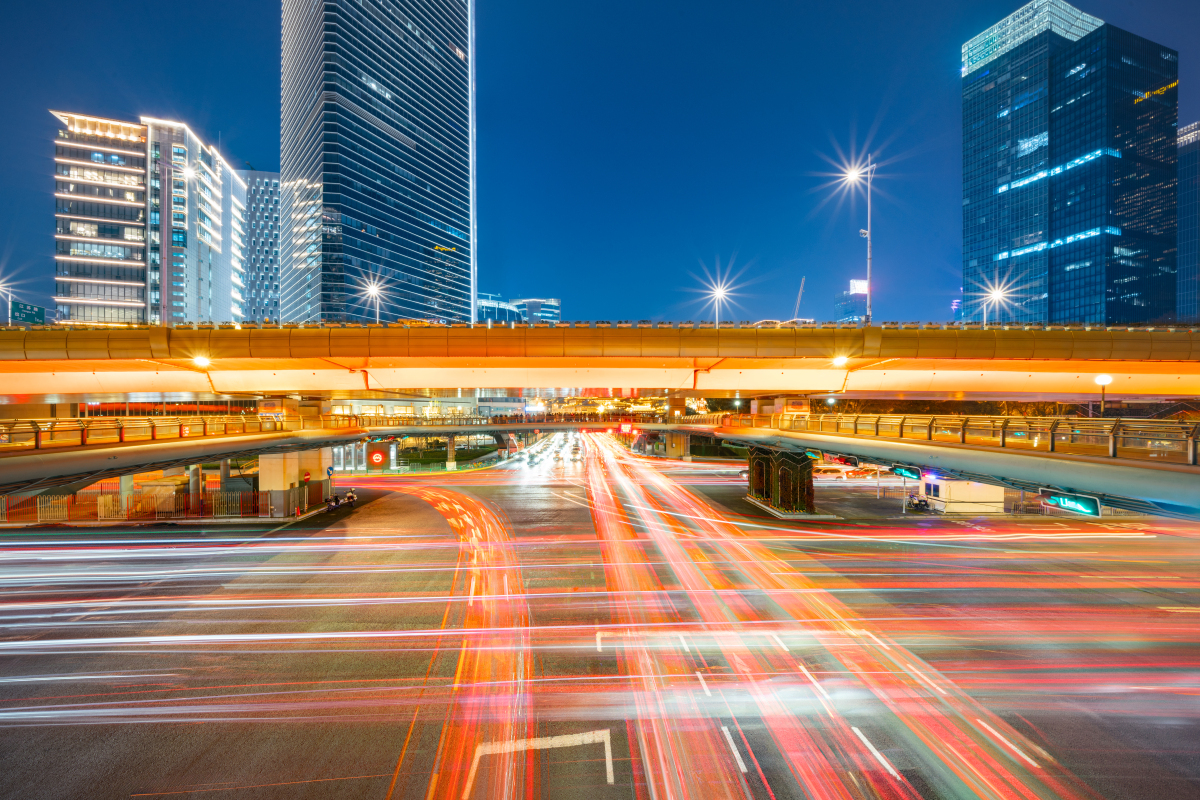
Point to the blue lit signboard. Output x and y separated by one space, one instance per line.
1077 503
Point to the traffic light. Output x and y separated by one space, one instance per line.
907 472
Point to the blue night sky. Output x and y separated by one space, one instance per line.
623 147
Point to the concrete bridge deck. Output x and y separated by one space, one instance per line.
912 361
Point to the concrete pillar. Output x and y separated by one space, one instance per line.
196 479
676 407
276 475
224 474
679 445
316 463
126 490
450 465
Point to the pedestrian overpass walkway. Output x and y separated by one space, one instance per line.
1140 465
1136 464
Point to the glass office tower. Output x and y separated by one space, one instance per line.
149 224
1069 183
258 296
377 157
1189 223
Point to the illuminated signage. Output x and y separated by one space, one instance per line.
1077 503
907 472
626 427
378 454
445 249
814 454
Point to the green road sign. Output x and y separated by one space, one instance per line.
31 315
907 472
1078 503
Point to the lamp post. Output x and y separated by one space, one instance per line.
854 175
718 294
1102 381
373 292
995 296
6 290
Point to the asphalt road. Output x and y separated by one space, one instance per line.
612 627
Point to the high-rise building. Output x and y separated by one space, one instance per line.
259 296
851 306
148 223
1188 303
547 309
377 157
1069 183
490 306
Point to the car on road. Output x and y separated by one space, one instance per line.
744 474
831 471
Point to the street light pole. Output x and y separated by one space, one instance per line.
870 175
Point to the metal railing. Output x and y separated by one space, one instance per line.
89 506
1172 442
43 434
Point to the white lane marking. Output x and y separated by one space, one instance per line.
1011 746
741 764
917 674
780 642
599 649
703 684
876 638
820 688
471 599
878 755
546 743
683 642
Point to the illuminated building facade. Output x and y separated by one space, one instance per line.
1189 223
148 224
546 309
377 157
491 307
259 296
851 306
1069 170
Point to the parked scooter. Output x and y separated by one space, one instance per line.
918 503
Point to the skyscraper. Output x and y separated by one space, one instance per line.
1069 185
546 309
259 296
1189 223
148 223
377 158
851 306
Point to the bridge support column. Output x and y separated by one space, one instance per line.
316 463
781 480
276 475
679 445
450 465
195 479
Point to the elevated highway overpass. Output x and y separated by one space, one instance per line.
327 361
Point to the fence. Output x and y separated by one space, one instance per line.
149 506
1136 439
44 434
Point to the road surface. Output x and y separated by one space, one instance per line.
615 627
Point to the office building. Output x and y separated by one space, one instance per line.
377 156
1069 159
532 310
491 307
148 223
851 306
260 294
1188 303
